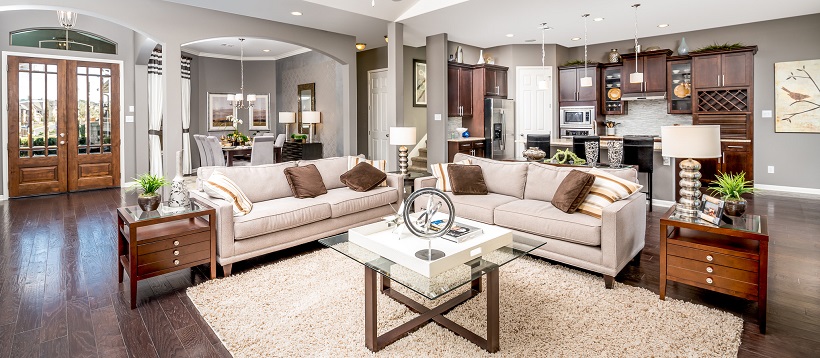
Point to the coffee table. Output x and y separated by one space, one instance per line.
431 288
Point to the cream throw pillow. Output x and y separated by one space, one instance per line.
606 190
222 187
378 164
443 176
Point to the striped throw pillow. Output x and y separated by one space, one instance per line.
379 164
443 176
606 190
220 186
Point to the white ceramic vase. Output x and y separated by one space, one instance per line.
480 58
179 192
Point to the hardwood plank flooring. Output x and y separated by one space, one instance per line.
59 294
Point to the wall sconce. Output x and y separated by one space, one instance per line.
360 46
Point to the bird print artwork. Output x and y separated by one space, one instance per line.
797 98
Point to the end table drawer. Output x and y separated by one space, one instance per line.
712 269
711 257
173 242
709 280
173 263
174 253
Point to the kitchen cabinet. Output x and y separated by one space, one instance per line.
726 69
491 80
679 92
611 91
474 147
569 84
652 65
459 90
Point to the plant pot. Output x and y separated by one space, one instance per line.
149 203
734 207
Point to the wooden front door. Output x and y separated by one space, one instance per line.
63 126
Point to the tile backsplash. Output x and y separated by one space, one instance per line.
646 118
452 124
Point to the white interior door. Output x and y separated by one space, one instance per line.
534 107
378 131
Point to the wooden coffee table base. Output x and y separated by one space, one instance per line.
374 342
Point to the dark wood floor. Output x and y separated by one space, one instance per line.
59 294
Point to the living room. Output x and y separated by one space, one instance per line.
275 274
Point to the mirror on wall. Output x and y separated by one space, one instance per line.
307 102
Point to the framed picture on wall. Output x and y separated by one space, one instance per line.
218 111
419 83
797 96
259 114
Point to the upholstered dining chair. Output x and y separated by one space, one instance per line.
215 149
204 152
262 150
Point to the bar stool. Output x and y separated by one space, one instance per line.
640 151
541 141
580 150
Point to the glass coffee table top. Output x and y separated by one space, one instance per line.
748 222
436 286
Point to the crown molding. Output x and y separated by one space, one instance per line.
254 58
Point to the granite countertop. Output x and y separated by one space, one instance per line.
567 142
468 139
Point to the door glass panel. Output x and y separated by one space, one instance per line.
51 68
51 112
38 104
25 112
81 70
38 153
106 110
93 71
82 110
24 67
95 108
24 154
38 67
107 149
106 72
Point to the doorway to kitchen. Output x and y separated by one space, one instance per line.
534 110
63 125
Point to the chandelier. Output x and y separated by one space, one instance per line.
636 77
68 19
238 100
586 81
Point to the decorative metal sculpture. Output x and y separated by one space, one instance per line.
420 226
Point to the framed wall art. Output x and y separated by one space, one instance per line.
259 114
797 96
218 111
419 83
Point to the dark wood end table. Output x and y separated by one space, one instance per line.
152 243
730 258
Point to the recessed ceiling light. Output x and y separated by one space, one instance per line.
530 40
598 19
575 38
663 25
266 50
296 13
510 35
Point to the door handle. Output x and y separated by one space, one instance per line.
722 80
718 80
734 146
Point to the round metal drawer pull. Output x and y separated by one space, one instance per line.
176 253
709 258
709 280
709 269
176 243
176 262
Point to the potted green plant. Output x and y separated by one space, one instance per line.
731 188
149 184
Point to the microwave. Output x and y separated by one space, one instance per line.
580 116
571 132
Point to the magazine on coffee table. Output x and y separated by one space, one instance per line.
458 232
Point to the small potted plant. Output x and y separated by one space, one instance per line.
731 187
149 199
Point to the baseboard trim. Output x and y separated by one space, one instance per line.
662 203
127 185
789 189
4 197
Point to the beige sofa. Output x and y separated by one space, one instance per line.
279 220
519 200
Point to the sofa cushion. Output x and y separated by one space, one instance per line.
221 187
330 168
305 182
439 170
506 178
541 218
363 177
258 182
378 164
572 191
467 180
344 201
543 179
606 190
280 214
478 207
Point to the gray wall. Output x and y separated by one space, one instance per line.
314 67
783 40
413 116
437 98
366 61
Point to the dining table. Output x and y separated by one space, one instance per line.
231 152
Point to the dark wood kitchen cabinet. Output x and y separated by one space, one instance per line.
459 90
736 155
474 147
725 69
569 84
652 65
491 80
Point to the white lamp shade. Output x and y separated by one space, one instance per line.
239 97
586 81
311 117
251 97
636 77
690 141
231 98
287 117
402 135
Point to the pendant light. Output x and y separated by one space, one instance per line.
586 81
542 84
68 19
238 100
636 77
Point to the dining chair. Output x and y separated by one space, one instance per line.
541 141
640 151
215 149
262 150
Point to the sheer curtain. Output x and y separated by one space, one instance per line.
155 112
186 115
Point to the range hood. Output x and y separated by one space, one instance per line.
643 96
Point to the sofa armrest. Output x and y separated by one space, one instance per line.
623 231
396 181
224 222
424 182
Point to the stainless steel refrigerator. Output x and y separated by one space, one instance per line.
499 127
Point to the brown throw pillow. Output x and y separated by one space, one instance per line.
572 191
363 177
305 182
467 179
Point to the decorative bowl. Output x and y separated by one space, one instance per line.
461 131
676 71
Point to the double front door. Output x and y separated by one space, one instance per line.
63 125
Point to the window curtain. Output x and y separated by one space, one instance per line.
155 112
186 115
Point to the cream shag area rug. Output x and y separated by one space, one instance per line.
313 306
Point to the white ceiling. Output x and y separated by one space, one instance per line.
484 23
228 47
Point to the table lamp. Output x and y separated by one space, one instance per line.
287 118
402 136
311 117
689 142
